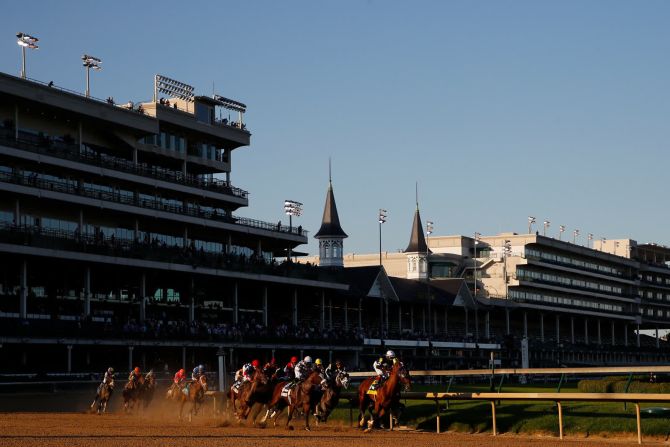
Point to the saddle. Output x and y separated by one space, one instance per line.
286 391
374 386
236 387
185 389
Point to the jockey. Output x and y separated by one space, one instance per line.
289 369
179 377
245 373
270 368
318 366
109 377
197 372
332 371
303 368
135 376
383 365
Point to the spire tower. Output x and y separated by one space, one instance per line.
331 235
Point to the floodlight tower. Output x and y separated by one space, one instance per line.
292 208
26 41
90 62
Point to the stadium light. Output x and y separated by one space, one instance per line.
531 221
474 262
90 62
26 41
429 227
575 235
561 229
589 238
292 208
381 218
546 224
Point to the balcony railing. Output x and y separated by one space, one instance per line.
70 187
68 151
75 241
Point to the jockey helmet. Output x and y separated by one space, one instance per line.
136 370
201 368
390 354
307 359
317 362
294 359
182 372
255 363
110 370
338 363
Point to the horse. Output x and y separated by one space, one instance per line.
148 388
300 396
386 398
131 393
102 396
194 392
247 393
331 395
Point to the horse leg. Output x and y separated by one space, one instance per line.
305 408
291 409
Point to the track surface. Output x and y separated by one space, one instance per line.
119 430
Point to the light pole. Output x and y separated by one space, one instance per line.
26 41
546 225
474 262
561 229
382 219
292 208
90 62
507 251
429 227
590 239
531 221
575 235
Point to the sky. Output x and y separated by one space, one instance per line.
498 110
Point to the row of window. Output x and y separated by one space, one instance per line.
551 257
567 281
179 144
564 301
659 313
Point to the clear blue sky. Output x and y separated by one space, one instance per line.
498 109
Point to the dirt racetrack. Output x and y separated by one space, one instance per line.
119 430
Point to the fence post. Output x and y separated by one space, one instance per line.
625 390
639 424
493 417
437 404
451 381
560 419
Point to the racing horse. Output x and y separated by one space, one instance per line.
303 396
331 395
131 393
386 398
193 392
148 388
248 391
102 396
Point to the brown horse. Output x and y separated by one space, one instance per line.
102 396
146 394
387 397
194 393
331 395
131 393
301 396
259 381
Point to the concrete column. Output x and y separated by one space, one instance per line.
23 303
87 292
80 136
136 231
265 306
446 322
411 317
467 322
69 358
360 313
330 312
386 319
143 297
135 156
658 340
81 217
16 122
600 340
542 327
586 331
229 243
613 334
295 307
476 324
185 237
346 314
625 334
130 357
434 328
487 327
330 357
259 248
572 329
183 357
423 319
236 304
525 324
558 330
191 309
638 335
400 318
322 321
17 212
222 384
357 360
507 331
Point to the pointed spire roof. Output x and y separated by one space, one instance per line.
330 223
417 241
